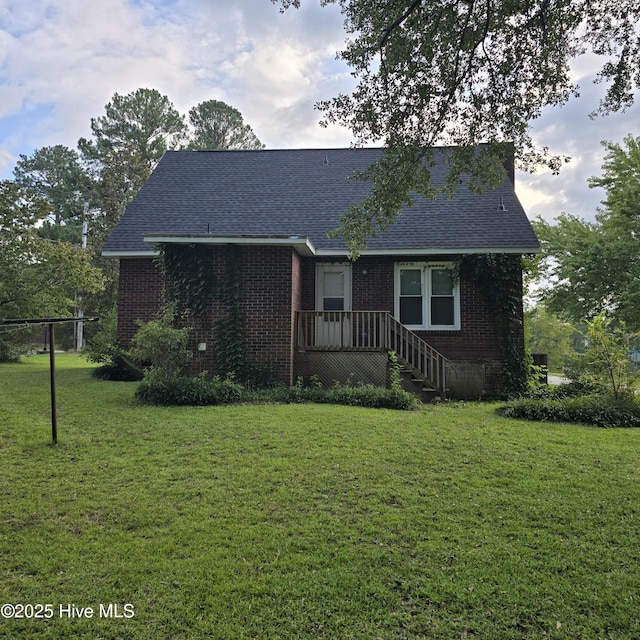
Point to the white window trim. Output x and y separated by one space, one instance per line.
426 268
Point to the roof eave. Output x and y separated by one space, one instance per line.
126 253
432 251
304 247
301 244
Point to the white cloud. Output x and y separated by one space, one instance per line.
569 130
61 61
66 58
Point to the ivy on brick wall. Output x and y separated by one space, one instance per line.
190 281
229 342
498 278
190 286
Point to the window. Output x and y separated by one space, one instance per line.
411 298
427 296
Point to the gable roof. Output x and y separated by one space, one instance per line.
295 196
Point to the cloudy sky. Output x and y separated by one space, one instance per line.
61 61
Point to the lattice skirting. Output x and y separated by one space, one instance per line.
342 366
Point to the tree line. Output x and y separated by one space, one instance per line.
590 269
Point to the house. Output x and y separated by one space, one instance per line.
302 307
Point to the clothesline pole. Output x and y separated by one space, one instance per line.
52 375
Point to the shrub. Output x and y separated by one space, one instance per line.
162 346
103 347
362 395
367 395
571 389
606 365
16 341
183 390
602 411
256 375
297 394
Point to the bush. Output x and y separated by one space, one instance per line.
164 347
367 395
602 411
16 341
607 365
182 390
362 395
571 389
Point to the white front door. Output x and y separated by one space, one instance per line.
333 295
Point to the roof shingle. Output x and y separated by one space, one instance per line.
304 193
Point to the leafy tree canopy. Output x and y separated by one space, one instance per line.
216 125
109 169
56 174
144 119
37 277
433 72
547 334
594 267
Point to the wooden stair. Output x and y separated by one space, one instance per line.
418 386
423 368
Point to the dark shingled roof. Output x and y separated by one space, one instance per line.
303 193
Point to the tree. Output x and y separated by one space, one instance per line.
38 278
216 125
128 141
621 178
594 267
143 121
547 334
434 72
57 175
607 365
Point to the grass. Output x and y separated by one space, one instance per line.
310 521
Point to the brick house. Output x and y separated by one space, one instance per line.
305 308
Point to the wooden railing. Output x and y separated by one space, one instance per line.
413 351
371 331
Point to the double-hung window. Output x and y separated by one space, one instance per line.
427 296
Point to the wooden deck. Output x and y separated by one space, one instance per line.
335 331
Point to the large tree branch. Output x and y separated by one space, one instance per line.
396 23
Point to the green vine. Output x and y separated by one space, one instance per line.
229 334
190 287
190 281
498 278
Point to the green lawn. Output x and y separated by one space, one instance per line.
309 521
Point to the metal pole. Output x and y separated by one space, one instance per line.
52 373
80 324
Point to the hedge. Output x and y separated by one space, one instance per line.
184 390
602 411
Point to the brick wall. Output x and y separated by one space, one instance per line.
276 282
139 295
373 290
271 294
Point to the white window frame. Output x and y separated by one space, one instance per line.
426 282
